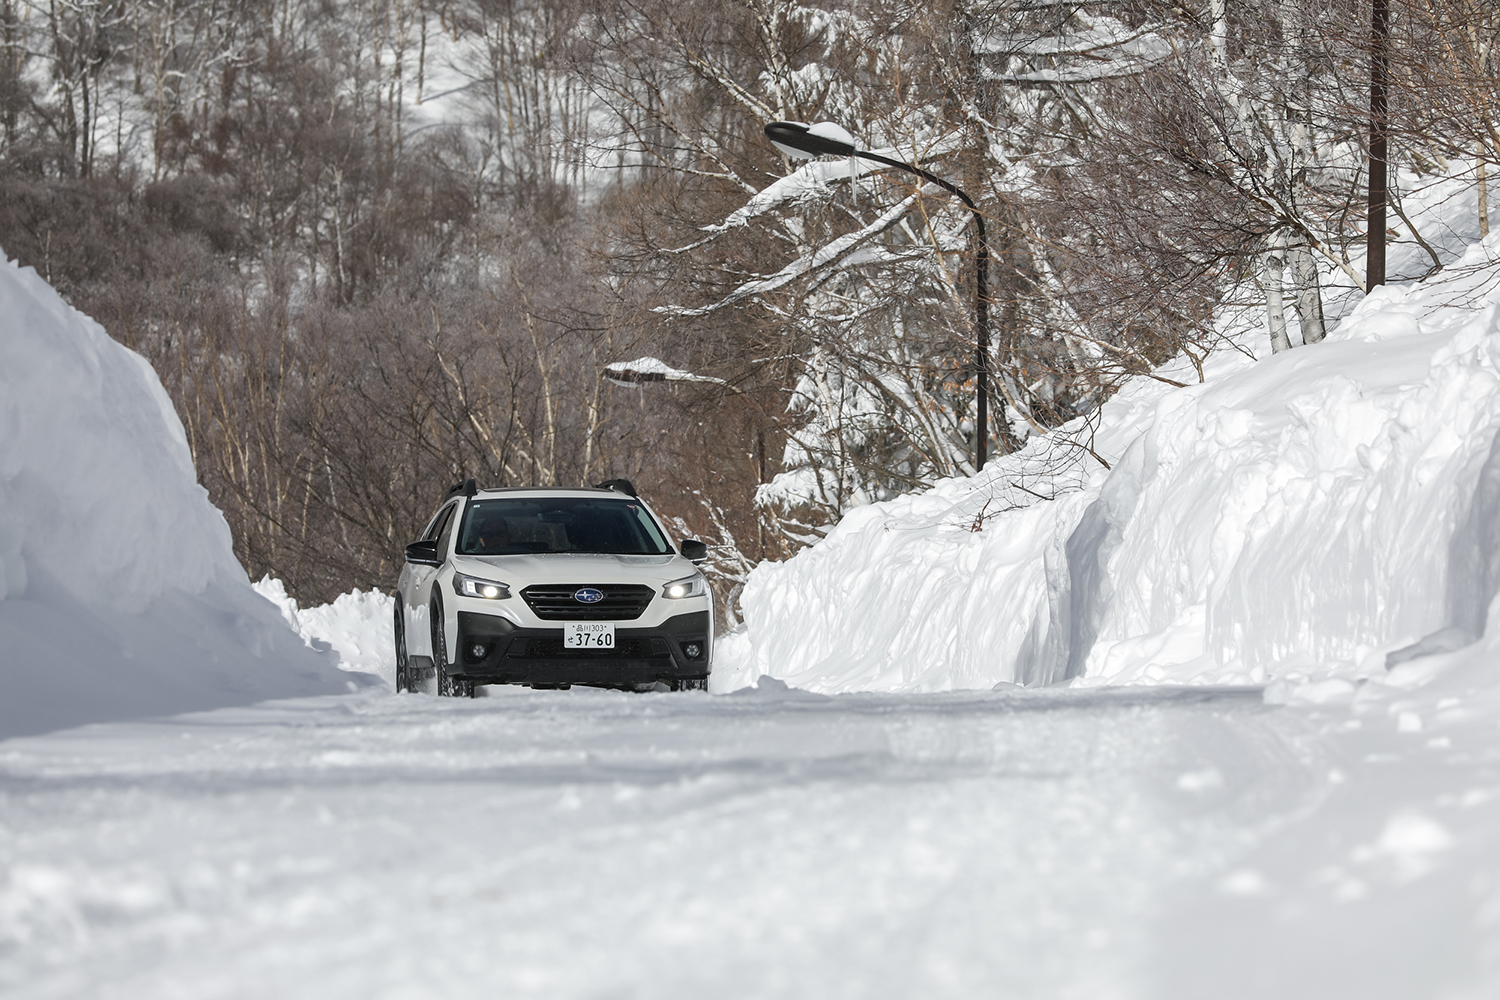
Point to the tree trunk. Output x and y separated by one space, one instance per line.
1300 140
1309 300
1380 11
1275 269
1484 200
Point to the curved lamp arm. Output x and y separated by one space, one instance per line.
803 141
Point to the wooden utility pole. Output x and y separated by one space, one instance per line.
1380 33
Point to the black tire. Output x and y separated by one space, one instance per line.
442 685
403 670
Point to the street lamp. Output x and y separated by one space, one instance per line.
632 373
825 138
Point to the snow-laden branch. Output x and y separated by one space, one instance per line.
1094 42
807 181
804 182
1109 47
1074 74
835 251
1105 69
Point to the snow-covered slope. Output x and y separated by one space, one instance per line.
1292 519
119 592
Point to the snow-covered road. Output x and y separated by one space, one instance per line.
1048 844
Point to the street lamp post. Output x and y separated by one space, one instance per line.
806 141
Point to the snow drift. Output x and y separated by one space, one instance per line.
1288 520
356 626
119 592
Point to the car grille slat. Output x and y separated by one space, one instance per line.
626 647
555 602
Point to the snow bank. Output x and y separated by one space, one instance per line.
357 626
1294 518
119 592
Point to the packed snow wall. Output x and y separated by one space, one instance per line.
1295 518
119 592
355 627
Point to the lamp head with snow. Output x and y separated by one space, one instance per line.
629 374
803 142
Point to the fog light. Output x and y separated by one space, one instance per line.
477 651
693 650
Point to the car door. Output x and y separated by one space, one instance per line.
420 582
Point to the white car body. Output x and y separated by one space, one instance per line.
525 626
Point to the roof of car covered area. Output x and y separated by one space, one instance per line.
551 490
615 487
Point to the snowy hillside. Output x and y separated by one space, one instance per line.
119 593
1291 519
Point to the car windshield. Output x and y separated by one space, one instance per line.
511 527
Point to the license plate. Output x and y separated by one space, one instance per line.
589 635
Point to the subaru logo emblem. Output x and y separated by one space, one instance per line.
588 595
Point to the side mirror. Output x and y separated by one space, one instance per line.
423 553
694 550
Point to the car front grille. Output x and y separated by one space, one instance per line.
554 602
626 647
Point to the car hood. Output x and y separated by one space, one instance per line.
575 567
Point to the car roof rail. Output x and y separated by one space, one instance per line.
468 488
618 485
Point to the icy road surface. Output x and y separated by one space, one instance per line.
1047 844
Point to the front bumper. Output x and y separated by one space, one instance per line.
494 650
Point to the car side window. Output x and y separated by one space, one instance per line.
435 525
446 530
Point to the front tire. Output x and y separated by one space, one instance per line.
403 667
442 684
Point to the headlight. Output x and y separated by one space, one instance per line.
688 586
468 586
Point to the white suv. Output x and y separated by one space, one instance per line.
551 587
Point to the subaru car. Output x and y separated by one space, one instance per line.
549 588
